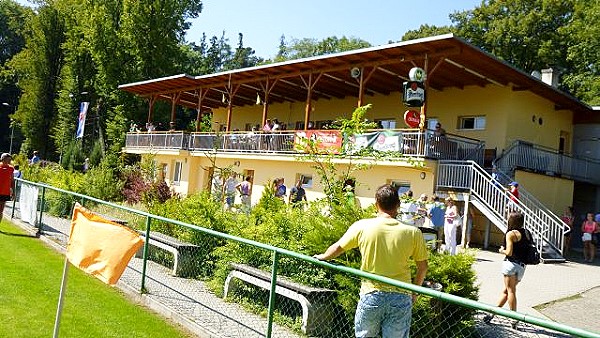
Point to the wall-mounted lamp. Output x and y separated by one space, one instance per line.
423 175
236 163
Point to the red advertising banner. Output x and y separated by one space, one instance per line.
326 141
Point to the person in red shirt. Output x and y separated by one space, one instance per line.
514 190
6 181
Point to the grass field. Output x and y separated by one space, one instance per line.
30 277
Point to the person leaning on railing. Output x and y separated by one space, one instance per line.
386 246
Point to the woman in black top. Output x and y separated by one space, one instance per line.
513 268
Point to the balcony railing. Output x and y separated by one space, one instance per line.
524 155
405 142
157 140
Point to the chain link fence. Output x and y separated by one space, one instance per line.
226 286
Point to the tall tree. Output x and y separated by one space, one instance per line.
584 52
243 57
12 40
39 67
525 33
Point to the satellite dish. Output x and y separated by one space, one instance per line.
355 73
536 74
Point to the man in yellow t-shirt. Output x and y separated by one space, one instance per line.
386 245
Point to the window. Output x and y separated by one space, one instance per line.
162 174
386 124
431 123
471 122
177 173
307 181
402 186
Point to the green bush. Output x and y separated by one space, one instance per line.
311 231
432 317
103 181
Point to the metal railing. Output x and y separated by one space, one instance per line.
281 142
557 228
153 280
547 229
548 161
157 140
412 143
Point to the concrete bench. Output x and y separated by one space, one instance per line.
184 254
318 309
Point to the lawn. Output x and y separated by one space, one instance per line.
30 277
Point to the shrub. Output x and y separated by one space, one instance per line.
103 181
307 231
432 317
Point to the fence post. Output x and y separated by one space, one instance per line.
272 294
14 202
145 255
40 223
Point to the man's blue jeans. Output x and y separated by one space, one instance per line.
388 313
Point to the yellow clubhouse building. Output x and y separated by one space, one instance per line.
492 114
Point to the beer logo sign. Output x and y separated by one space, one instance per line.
416 74
412 118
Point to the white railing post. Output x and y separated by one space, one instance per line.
545 226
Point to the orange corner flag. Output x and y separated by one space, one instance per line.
100 247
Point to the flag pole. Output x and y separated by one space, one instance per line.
63 287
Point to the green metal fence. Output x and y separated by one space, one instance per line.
262 302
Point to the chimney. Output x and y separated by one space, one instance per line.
550 77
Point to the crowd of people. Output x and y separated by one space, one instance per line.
148 127
430 212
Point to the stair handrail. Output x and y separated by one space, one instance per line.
548 160
531 200
553 233
498 200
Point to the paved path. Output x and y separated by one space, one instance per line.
190 303
546 283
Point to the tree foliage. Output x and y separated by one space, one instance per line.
307 47
12 40
425 31
39 68
525 33
533 35
584 52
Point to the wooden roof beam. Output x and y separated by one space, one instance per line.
303 88
354 85
468 70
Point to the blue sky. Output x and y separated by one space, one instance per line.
264 21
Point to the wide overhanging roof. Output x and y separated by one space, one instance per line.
451 62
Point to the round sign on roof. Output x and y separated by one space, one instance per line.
416 74
412 118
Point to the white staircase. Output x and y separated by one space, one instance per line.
490 197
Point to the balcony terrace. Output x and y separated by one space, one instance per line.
539 159
405 142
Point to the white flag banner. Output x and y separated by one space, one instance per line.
28 201
83 108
